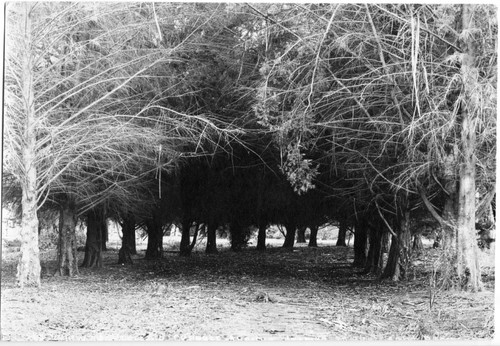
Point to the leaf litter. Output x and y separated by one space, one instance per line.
307 294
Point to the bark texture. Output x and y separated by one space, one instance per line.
128 247
374 258
468 269
28 268
93 245
68 260
398 261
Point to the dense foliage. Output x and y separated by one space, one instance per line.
239 116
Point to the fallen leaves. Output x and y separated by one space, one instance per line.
309 294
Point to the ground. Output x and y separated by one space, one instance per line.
304 294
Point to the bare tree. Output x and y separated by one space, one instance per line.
401 104
87 114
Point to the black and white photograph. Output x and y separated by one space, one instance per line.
249 171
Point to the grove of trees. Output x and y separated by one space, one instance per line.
376 117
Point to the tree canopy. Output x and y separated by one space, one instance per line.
245 115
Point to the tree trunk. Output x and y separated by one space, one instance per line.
154 248
342 232
386 242
468 269
195 237
261 238
28 268
313 236
399 253
290 235
262 217
391 269
418 245
373 260
211 238
68 260
128 240
360 242
185 247
459 261
236 236
129 223
104 235
301 234
446 237
93 244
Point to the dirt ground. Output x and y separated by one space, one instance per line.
304 294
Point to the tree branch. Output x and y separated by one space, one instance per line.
430 207
385 221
